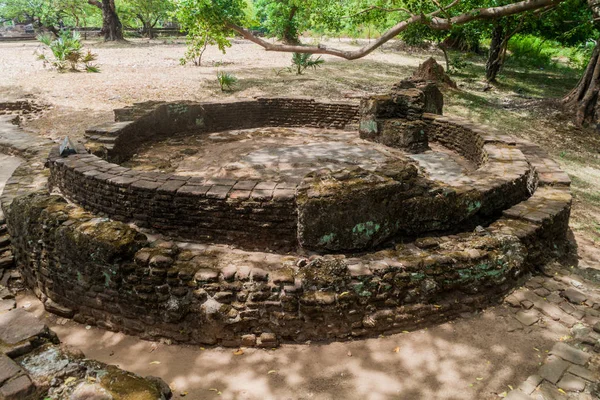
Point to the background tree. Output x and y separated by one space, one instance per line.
40 13
204 22
112 28
149 13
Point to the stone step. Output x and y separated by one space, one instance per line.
109 129
102 139
545 204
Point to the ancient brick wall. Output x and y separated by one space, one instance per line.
106 274
247 213
156 121
267 214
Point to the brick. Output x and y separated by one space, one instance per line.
245 185
218 192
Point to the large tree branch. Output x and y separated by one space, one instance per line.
95 3
430 19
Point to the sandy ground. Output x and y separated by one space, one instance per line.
151 71
476 357
472 358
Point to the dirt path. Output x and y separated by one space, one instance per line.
473 358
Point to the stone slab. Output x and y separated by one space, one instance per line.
582 373
574 296
570 353
19 325
17 389
571 383
553 369
528 317
8 368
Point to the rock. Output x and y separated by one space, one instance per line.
430 70
569 353
55 308
597 327
571 383
90 391
7 305
19 325
5 293
574 296
161 385
249 340
267 340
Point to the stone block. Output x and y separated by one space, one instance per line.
8 369
55 308
553 369
571 383
574 296
570 353
19 325
20 388
583 373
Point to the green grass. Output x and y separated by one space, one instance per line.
518 105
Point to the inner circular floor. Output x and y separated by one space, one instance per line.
280 154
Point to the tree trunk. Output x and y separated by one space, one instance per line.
111 24
290 36
583 99
493 64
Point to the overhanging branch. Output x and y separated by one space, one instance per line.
430 19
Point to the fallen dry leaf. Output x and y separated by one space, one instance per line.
396 349
273 371
154 362
238 352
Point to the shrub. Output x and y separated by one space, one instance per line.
531 50
66 52
226 80
303 61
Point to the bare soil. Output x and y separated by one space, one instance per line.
476 357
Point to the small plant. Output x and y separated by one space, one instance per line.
67 53
303 61
226 80
196 46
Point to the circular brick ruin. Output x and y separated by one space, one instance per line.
336 254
